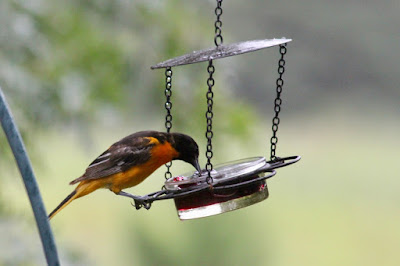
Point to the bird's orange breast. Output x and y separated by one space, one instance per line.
160 154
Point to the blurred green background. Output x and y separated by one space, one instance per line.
76 74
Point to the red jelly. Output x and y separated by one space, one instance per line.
209 202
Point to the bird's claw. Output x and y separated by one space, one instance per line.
141 202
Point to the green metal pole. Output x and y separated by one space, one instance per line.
31 186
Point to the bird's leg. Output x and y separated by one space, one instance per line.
126 194
139 201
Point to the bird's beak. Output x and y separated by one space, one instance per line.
196 165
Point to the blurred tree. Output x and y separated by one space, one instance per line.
70 63
83 64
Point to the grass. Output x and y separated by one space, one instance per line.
337 206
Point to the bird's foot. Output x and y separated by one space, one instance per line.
138 200
139 203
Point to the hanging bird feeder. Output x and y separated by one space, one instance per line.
232 185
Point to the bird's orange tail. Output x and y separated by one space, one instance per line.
84 188
64 203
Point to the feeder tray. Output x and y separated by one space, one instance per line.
215 201
235 185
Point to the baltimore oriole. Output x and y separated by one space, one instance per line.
131 160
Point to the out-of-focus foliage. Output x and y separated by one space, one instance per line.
76 60
79 63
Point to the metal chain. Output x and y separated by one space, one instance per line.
168 106
278 102
218 40
209 117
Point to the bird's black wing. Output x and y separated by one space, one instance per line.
118 158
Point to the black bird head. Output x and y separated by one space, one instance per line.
187 148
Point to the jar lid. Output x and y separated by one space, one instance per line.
220 174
